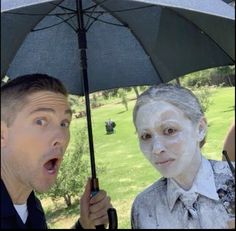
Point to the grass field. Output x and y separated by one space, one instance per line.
127 172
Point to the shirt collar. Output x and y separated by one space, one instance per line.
203 184
7 208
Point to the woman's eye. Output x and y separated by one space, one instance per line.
146 136
169 131
41 122
65 124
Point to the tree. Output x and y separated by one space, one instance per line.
203 94
123 96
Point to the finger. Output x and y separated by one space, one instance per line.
103 204
101 194
102 219
86 193
100 213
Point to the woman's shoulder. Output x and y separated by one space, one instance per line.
221 167
225 184
158 187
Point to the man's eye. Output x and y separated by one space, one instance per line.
65 124
146 136
169 131
41 122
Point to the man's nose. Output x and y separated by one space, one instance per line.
158 146
61 138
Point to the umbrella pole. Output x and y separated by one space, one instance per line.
112 215
83 64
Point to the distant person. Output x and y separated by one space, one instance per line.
194 192
229 143
35 120
110 125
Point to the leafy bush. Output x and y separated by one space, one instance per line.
204 96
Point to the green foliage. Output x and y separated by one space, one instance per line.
223 76
226 70
219 76
143 88
110 93
204 95
73 171
74 102
198 79
128 89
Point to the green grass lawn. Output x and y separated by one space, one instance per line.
127 172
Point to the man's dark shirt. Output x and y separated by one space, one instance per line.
10 218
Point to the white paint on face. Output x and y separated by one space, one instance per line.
168 139
39 133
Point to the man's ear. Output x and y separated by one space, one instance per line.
202 129
4 134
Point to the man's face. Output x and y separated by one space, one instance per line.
167 138
37 140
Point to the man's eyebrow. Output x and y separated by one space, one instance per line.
44 109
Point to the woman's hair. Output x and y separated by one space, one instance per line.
176 95
14 93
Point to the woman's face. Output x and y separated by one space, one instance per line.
168 139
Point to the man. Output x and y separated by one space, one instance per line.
35 119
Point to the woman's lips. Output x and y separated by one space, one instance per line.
163 162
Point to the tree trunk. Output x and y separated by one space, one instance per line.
67 199
229 79
136 91
178 81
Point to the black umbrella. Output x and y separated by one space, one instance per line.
121 43
141 42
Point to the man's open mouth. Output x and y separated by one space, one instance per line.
52 165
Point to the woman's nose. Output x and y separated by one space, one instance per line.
158 146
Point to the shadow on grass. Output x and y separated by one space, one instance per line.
121 112
54 215
232 108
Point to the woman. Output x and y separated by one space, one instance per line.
194 192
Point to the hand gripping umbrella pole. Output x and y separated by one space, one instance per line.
83 64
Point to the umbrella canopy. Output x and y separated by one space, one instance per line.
128 42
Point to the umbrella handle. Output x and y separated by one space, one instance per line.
112 215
